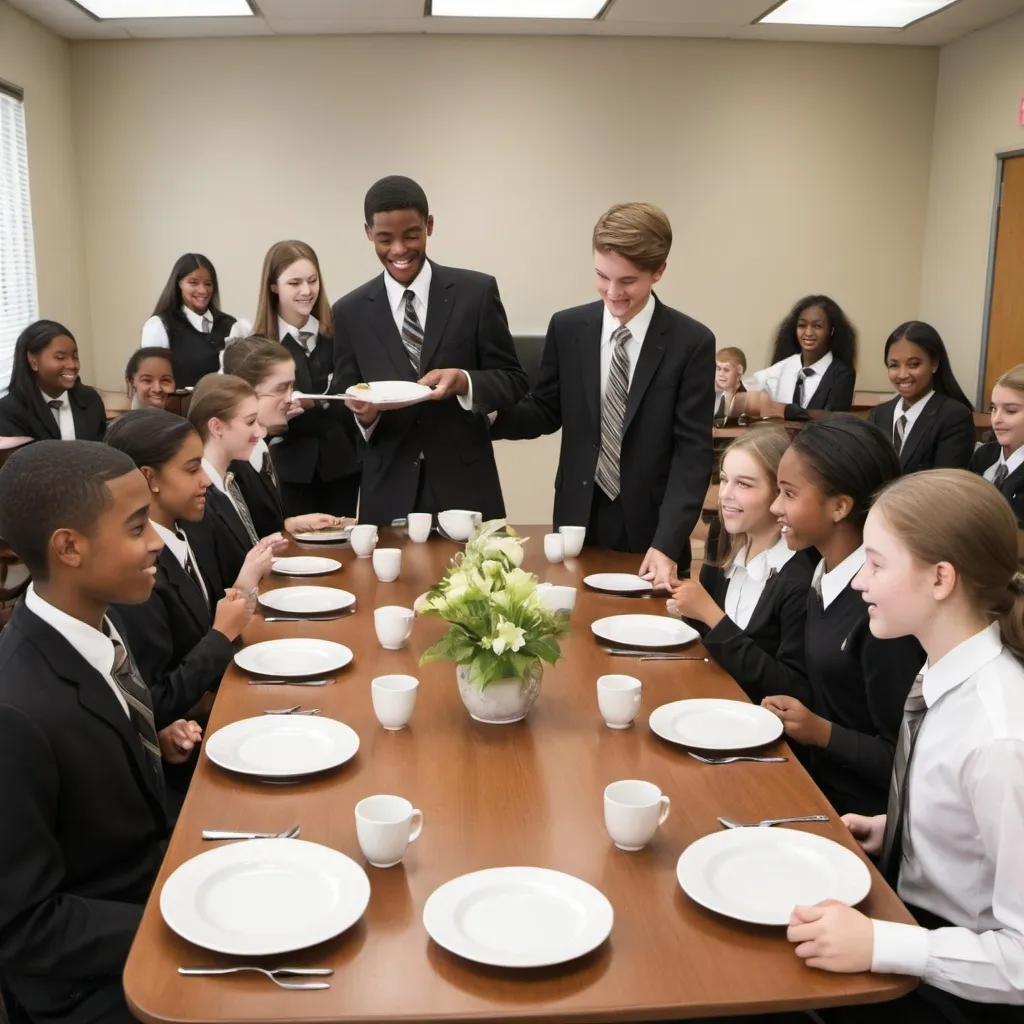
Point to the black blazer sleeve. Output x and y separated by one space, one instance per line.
984 457
839 397
954 445
14 422
500 381
88 412
541 411
44 930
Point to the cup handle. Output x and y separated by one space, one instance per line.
665 805
415 825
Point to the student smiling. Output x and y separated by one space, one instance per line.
150 377
1001 462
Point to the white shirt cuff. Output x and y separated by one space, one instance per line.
367 432
466 400
899 948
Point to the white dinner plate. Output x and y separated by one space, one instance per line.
618 583
305 565
307 600
644 631
282 746
390 394
333 535
264 897
518 917
760 874
293 657
710 723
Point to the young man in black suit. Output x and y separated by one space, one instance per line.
442 327
631 384
83 796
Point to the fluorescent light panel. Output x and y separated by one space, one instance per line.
581 9
854 13
107 10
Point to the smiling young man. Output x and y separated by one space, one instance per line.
630 383
442 327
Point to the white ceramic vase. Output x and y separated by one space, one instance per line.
502 702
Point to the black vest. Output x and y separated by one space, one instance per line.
193 353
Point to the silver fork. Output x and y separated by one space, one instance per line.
220 833
297 710
768 822
306 986
289 682
733 760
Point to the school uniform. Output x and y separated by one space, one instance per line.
78 416
177 650
987 461
257 479
827 384
84 820
936 432
858 683
196 342
723 407
316 461
760 642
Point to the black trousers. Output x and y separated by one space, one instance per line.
102 1005
334 497
607 529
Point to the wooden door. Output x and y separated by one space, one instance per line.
1005 343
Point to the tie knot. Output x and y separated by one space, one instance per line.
621 336
409 296
55 403
808 371
915 699
229 479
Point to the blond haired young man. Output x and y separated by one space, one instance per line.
630 383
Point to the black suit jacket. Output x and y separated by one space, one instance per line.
666 455
83 824
942 437
175 647
834 392
219 542
261 496
466 328
37 420
1013 485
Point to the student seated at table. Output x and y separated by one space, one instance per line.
223 411
1001 462
150 378
269 369
931 420
183 635
82 801
46 399
753 601
730 365
813 367
827 480
950 841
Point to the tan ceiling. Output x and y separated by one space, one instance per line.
724 19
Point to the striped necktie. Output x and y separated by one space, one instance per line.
412 331
798 391
207 326
613 414
894 845
1002 472
235 493
901 433
303 338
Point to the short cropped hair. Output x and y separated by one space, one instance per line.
638 232
53 485
736 356
395 192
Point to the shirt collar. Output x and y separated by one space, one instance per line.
960 663
284 329
638 326
94 646
1015 461
835 582
915 410
215 478
769 561
420 287
822 364
259 453
195 319
64 399
173 541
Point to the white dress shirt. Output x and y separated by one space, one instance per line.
311 326
746 582
179 546
964 829
95 647
1013 463
154 332
912 415
832 584
779 379
637 328
65 420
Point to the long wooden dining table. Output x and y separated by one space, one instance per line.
524 794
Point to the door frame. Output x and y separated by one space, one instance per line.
1002 155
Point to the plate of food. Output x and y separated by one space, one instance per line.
390 394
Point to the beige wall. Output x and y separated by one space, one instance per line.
40 63
978 95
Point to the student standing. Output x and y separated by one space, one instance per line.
82 801
444 328
630 383
951 838
150 377
827 480
188 320
931 421
1001 462
315 457
46 399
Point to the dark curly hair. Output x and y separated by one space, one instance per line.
843 338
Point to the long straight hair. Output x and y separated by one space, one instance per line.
279 258
170 302
926 337
32 341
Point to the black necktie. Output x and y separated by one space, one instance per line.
268 472
191 569
798 391
412 331
55 405
1002 472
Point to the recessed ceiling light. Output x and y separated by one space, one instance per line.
854 13
110 9
516 8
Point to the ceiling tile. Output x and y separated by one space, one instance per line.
339 11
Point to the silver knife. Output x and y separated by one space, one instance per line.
290 682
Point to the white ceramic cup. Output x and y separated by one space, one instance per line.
393 625
459 523
554 547
633 812
385 826
387 564
419 525
558 599
573 536
618 697
363 539
394 698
